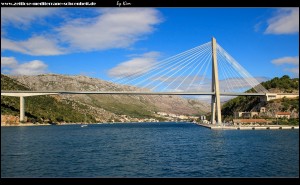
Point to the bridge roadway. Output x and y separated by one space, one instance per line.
37 93
23 94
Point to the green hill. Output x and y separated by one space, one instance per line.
276 85
39 108
284 84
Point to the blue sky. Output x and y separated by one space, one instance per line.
102 42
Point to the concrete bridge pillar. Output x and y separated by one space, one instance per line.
22 109
215 99
213 109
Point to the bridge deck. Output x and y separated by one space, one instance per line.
28 93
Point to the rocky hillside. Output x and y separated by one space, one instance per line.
276 85
110 107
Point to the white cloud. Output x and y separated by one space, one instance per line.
34 67
37 45
291 61
136 66
108 28
24 16
8 62
114 28
286 60
12 66
286 21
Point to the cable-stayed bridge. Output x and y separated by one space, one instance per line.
203 70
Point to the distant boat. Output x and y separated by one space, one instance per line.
84 125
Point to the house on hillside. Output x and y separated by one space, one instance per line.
202 117
263 110
245 115
283 115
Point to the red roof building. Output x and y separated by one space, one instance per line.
283 114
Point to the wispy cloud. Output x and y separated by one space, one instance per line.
293 62
257 26
113 28
285 21
11 65
24 17
9 62
135 66
35 46
106 28
286 60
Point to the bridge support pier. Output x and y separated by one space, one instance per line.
213 109
22 96
22 109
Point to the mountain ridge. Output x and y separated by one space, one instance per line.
107 108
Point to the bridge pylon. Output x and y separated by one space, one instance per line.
215 98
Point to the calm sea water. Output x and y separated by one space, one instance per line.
147 150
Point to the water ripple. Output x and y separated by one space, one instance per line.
147 150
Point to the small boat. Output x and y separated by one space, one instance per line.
84 125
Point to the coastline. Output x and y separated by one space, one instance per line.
214 127
248 127
59 124
24 124
39 124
